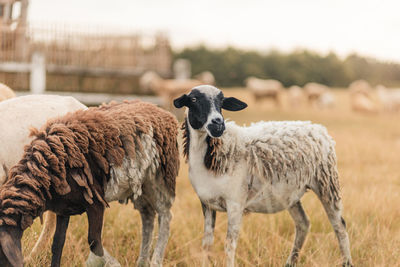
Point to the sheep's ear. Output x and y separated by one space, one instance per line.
181 101
11 247
233 104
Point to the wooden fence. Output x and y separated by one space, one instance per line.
81 59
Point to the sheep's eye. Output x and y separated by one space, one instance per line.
194 99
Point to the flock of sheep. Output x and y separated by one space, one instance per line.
362 97
77 159
368 100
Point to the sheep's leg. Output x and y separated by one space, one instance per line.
147 214
59 240
209 225
164 219
334 212
235 213
98 256
47 231
302 227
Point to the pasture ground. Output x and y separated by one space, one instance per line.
368 150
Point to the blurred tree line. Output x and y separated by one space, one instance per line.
232 66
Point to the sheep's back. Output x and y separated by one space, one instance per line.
136 118
277 148
294 150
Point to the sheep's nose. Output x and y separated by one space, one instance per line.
217 121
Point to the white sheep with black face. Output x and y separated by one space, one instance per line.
266 168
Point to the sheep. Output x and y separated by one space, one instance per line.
167 89
206 77
265 89
326 100
314 92
389 98
295 96
362 103
360 87
17 115
81 161
6 92
361 97
266 168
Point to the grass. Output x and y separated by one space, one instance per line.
368 150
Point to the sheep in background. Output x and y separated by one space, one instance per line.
360 87
266 168
167 89
206 77
326 101
79 162
260 89
361 97
17 115
319 95
389 98
148 81
295 96
6 92
362 103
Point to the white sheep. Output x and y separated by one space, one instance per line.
5 92
17 116
167 89
362 103
206 77
266 168
360 87
389 98
261 89
361 97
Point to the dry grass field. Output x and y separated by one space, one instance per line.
368 150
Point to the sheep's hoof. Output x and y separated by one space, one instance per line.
143 263
348 264
106 261
290 264
156 263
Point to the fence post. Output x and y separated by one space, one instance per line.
38 73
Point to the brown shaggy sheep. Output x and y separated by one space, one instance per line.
78 162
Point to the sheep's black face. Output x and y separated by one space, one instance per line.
205 103
10 246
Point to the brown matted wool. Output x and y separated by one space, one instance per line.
81 146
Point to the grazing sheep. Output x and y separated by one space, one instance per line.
79 162
362 103
314 92
6 92
167 89
326 101
17 115
360 87
361 97
205 77
389 98
295 96
260 89
266 168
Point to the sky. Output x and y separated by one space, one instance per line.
366 27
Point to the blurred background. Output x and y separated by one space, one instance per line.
106 47
332 62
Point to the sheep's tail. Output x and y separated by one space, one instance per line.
48 229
